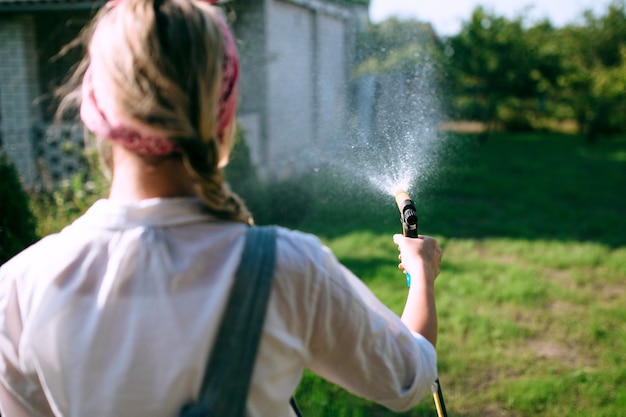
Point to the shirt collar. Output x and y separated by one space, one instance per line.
115 214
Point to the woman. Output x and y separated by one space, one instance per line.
116 314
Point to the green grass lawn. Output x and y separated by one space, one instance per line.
532 293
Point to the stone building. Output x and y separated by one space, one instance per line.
296 55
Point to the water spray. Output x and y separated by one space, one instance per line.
408 217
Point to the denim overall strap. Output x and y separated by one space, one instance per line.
229 369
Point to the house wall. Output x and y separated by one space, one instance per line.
19 89
291 85
308 61
333 68
294 94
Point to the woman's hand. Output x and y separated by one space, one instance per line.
420 257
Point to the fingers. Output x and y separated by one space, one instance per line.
421 241
419 255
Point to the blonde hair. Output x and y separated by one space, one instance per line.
163 60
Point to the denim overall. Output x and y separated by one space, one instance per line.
229 369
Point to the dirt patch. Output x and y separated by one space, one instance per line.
462 126
551 341
470 126
489 410
555 351
493 410
613 292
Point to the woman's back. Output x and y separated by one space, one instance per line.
129 307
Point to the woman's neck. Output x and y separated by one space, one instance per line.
137 177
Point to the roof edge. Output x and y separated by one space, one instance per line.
35 6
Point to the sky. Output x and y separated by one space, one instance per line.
447 16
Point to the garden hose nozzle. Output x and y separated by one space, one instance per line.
408 213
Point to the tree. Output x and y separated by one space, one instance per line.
593 82
497 61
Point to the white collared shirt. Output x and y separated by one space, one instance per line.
115 316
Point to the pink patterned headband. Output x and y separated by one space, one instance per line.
100 116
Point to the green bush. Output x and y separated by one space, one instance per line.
17 223
56 208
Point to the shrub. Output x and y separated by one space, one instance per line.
17 223
68 199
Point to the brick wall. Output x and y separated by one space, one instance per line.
60 153
18 92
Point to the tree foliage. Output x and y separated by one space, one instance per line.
511 74
593 80
503 68
394 45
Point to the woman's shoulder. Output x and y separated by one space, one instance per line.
34 254
296 238
46 256
304 259
26 270
300 247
